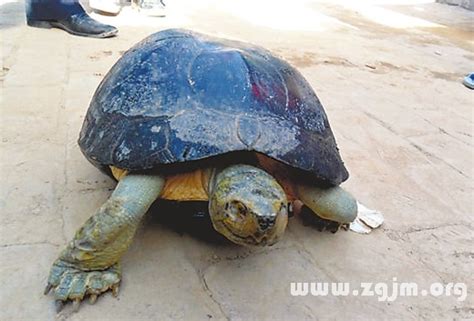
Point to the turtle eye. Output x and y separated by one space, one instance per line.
235 208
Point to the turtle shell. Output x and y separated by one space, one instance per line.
179 96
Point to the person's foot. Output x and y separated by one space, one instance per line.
79 24
469 81
155 8
108 6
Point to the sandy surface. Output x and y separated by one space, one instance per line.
389 75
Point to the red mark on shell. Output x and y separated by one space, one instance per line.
276 95
256 91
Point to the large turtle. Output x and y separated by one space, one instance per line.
184 116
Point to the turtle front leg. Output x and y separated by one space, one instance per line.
333 204
90 262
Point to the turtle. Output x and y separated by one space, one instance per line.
186 116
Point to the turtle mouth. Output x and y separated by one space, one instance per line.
258 239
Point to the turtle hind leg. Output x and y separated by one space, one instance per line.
321 224
89 265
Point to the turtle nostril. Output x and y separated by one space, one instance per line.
265 222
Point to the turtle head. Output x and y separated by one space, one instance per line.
248 206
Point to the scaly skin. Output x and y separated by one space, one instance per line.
90 262
247 205
332 203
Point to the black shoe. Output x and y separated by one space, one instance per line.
79 24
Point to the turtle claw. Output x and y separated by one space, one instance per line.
48 288
76 305
93 298
59 305
115 290
70 283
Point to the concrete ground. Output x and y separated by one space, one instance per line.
389 75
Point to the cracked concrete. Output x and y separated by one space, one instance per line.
403 120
